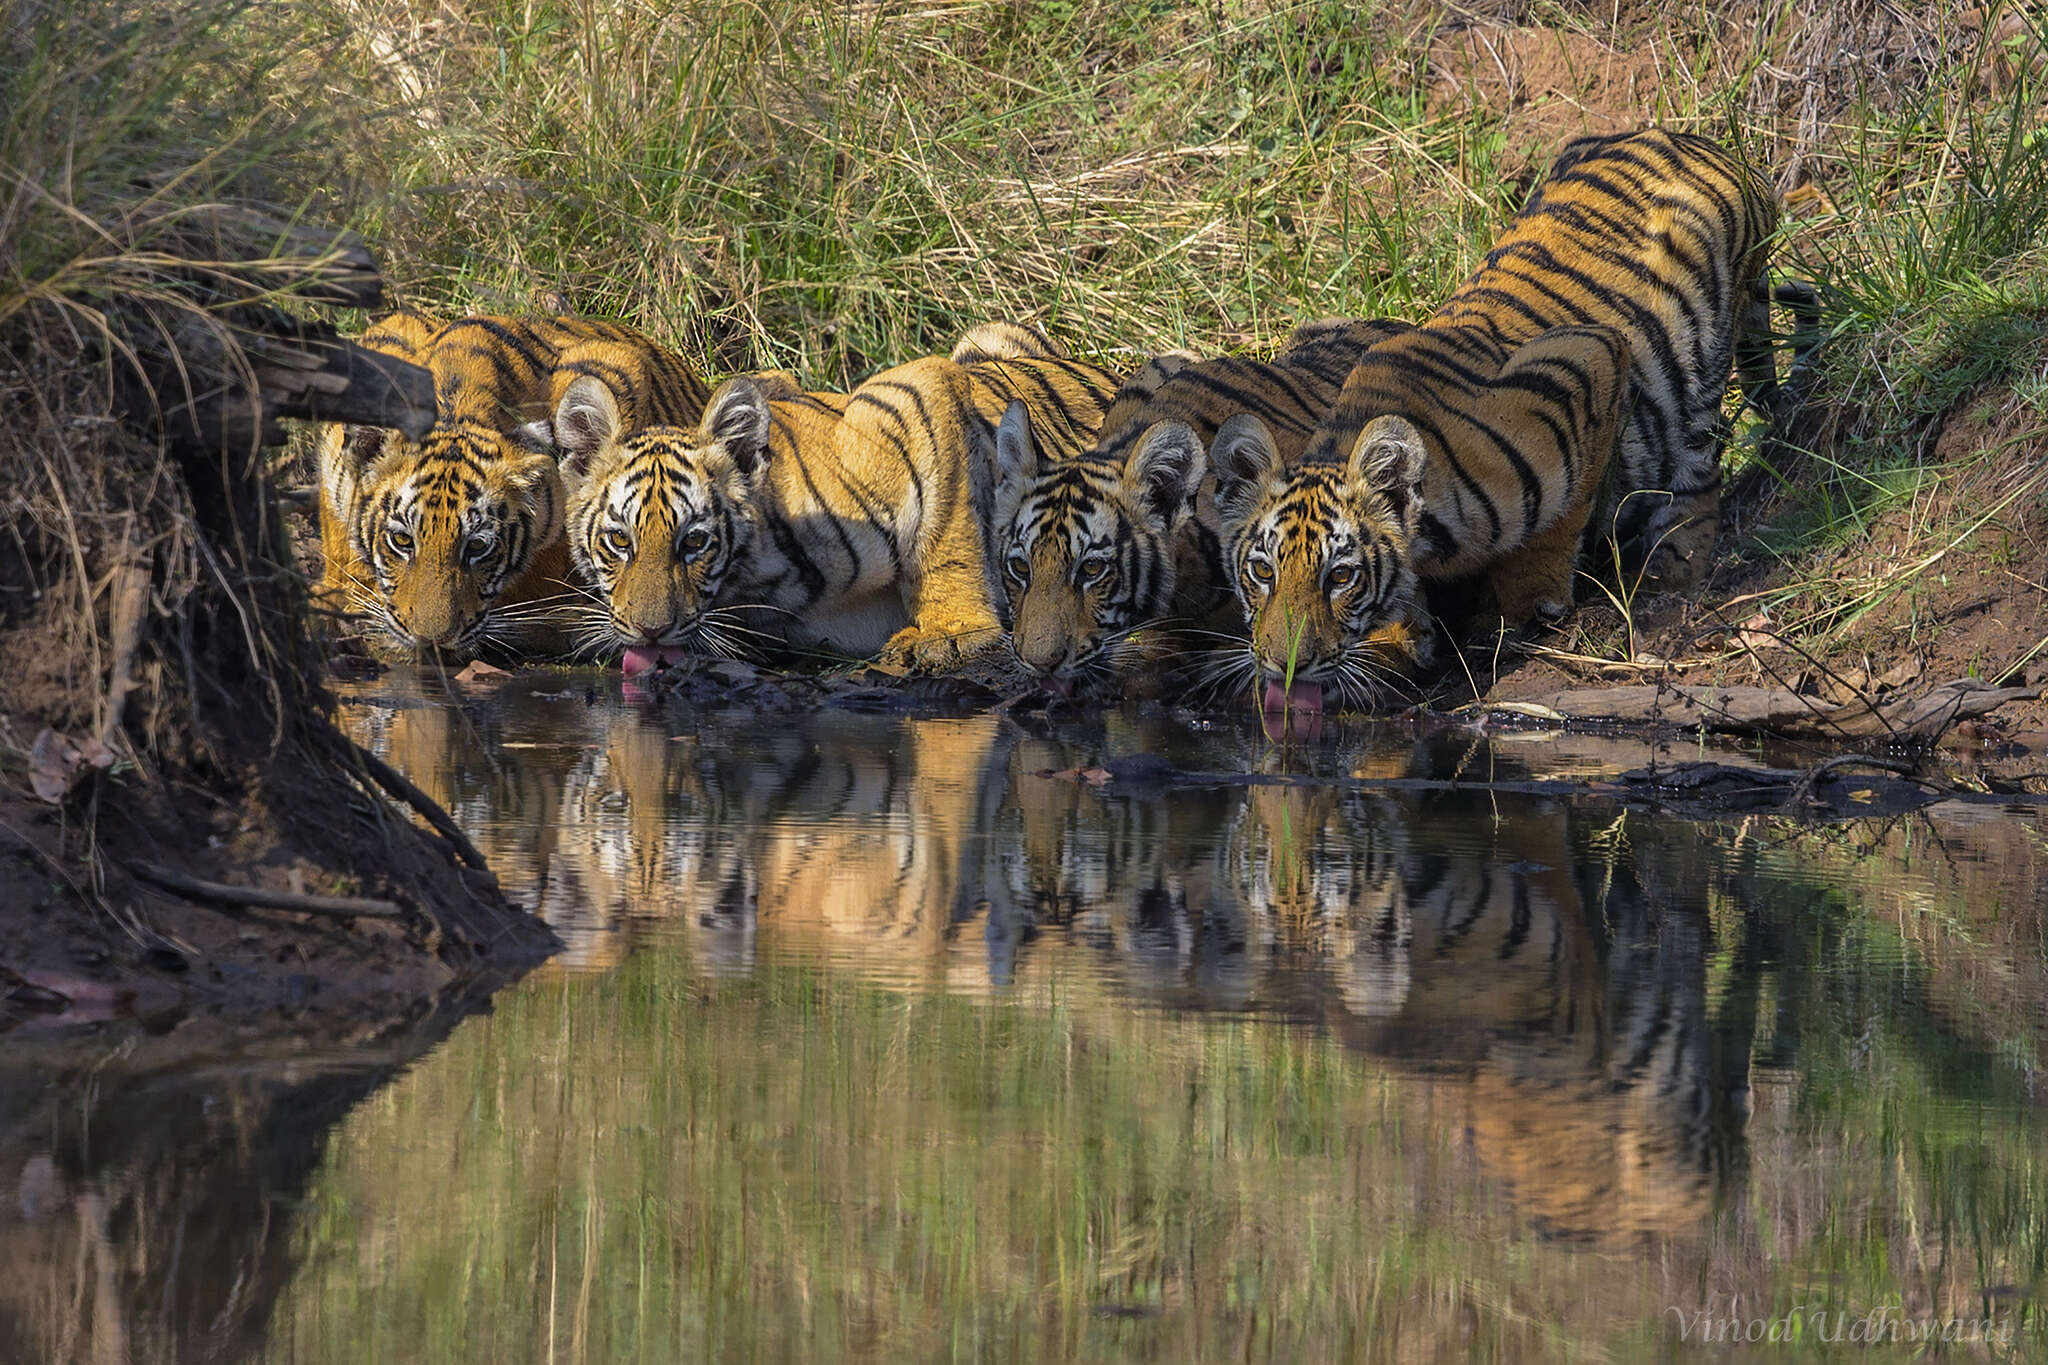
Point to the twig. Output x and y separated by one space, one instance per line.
341 907
399 786
131 596
1810 780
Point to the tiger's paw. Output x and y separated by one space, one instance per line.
938 648
1672 569
1682 552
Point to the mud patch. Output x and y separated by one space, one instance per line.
1545 86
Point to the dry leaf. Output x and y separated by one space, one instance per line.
1756 633
479 671
57 762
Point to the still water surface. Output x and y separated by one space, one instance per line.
871 1041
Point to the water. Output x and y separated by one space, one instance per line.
870 1041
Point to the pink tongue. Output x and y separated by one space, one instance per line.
640 660
1305 698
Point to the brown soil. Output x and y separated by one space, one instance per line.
73 953
1924 596
1545 86
146 621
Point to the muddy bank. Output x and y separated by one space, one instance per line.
168 757
1927 628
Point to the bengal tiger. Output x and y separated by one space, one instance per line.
848 523
1476 442
453 544
1097 548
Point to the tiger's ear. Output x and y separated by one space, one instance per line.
1242 454
737 418
1164 470
1388 460
359 446
586 421
1016 451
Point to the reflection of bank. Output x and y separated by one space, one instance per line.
151 1192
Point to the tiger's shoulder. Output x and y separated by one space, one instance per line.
1011 363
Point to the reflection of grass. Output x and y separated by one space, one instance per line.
648 1166
802 1167
1932 1197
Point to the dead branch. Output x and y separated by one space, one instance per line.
397 785
1777 710
339 907
131 600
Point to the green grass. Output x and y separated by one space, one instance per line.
833 189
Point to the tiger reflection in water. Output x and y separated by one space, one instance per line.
600 828
846 834
1514 959
1560 1015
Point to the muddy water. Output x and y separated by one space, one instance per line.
868 1040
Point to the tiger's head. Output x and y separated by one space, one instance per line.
1086 547
446 528
1319 555
659 517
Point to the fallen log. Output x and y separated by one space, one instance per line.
1780 711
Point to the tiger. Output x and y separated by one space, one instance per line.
1600 329
852 524
453 545
1097 548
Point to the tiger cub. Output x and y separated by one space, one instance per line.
452 545
848 523
1478 441
1100 545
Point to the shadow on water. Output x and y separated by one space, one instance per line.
872 1040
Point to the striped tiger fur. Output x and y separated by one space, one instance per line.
852 523
1478 441
1098 547
453 545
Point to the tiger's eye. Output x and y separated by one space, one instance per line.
1019 567
1262 571
1093 568
400 543
1343 576
478 548
696 542
616 544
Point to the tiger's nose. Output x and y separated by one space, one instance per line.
640 632
1044 657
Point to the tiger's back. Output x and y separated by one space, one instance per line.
1664 236
453 544
853 522
1007 363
